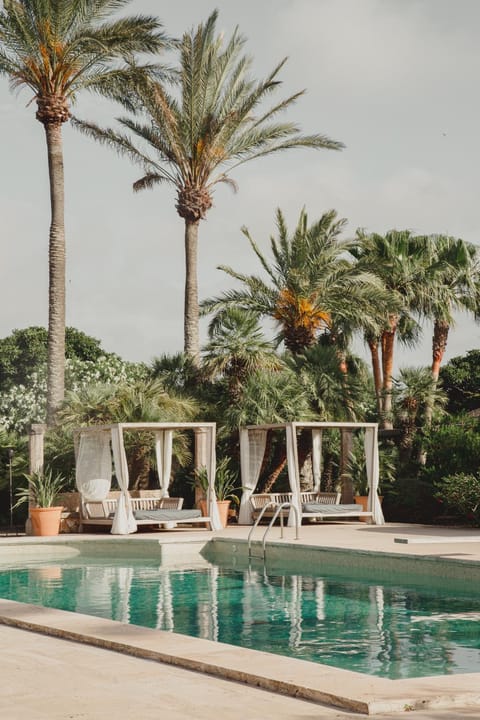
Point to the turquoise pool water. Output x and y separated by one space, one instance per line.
375 628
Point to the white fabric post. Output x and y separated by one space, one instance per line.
211 471
163 454
317 458
293 474
123 522
252 450
93 471
372 462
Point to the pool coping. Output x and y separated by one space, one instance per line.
366 694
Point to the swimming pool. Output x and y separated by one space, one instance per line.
375 627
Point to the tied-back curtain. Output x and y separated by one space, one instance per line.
211 466
93 472
293 475
252 450
163 454
372 463
123 522
317 458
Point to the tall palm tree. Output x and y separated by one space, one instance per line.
199 137
312 284
56 48
399 260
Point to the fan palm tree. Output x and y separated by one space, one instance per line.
334 394
237 348
415 393
216 124
267 398
312 284
453 281
57 48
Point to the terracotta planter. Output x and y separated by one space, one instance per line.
223 507
46 521
363 501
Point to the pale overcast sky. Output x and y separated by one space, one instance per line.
395 80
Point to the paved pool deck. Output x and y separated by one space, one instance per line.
63 665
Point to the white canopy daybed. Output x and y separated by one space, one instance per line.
96 446
253 440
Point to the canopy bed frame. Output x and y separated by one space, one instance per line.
97 446
252 449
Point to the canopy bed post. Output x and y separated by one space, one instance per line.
293 473
317 458
373 471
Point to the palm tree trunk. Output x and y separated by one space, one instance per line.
191 314
346 448
377 372
439 346
56 269
388 344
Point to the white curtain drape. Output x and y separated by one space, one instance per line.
252 450
293 474
211 470
317 458
93 472
123 522
163 454
372 463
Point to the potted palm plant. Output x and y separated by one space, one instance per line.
41 493
226 488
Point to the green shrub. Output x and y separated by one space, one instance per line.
453 447
461 494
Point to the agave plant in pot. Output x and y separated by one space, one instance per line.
41 493
226 488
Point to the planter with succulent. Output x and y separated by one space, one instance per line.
41 493
226 489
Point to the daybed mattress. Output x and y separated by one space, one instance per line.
325 509
166 515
